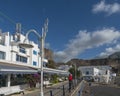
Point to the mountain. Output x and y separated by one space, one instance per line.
113 60
48 54
115 55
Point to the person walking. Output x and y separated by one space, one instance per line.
70 78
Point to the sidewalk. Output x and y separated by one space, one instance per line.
37 90
27 92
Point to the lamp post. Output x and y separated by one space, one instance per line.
75 73
42 39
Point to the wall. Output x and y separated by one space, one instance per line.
11 48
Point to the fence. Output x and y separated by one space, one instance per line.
62 90
81 89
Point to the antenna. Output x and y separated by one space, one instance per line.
45 28
18 31
18 28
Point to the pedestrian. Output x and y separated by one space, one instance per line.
70 78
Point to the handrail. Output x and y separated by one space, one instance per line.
62 90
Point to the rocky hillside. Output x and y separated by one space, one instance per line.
106 61
113 60
48 54
115 55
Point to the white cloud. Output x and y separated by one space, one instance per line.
110 50
107 8
86 40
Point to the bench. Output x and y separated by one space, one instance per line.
10 90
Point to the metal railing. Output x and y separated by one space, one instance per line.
81 89
63 89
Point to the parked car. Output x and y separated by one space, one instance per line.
60 80
88 78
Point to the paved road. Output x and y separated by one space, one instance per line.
104 91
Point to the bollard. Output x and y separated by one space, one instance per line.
51 93
78 93
63 90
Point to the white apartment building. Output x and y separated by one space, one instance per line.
100 73
11 52
17 60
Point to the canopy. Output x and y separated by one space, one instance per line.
10 69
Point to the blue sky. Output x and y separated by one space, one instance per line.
77 28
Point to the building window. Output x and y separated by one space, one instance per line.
2 40
22 50
44 64
87 72
16 37
2 55
34 63
21 58
34 52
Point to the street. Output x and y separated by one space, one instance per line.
104 91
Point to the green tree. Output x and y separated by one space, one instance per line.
32 79
72 71
54 78
51 64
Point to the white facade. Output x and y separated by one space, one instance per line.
64 67
10 51
101 73
89 71
12 54
17 60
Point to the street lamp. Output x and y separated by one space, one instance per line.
25 44
75 72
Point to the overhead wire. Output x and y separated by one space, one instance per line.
9 19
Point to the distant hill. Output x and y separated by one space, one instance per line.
115 55
113 60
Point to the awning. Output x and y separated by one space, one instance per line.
17 69
10 69
55 71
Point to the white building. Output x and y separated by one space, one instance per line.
99 73
64 67
17 60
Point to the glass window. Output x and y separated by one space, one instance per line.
2 40
2 55
34 52
22 50
87 72
34 63
21 58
